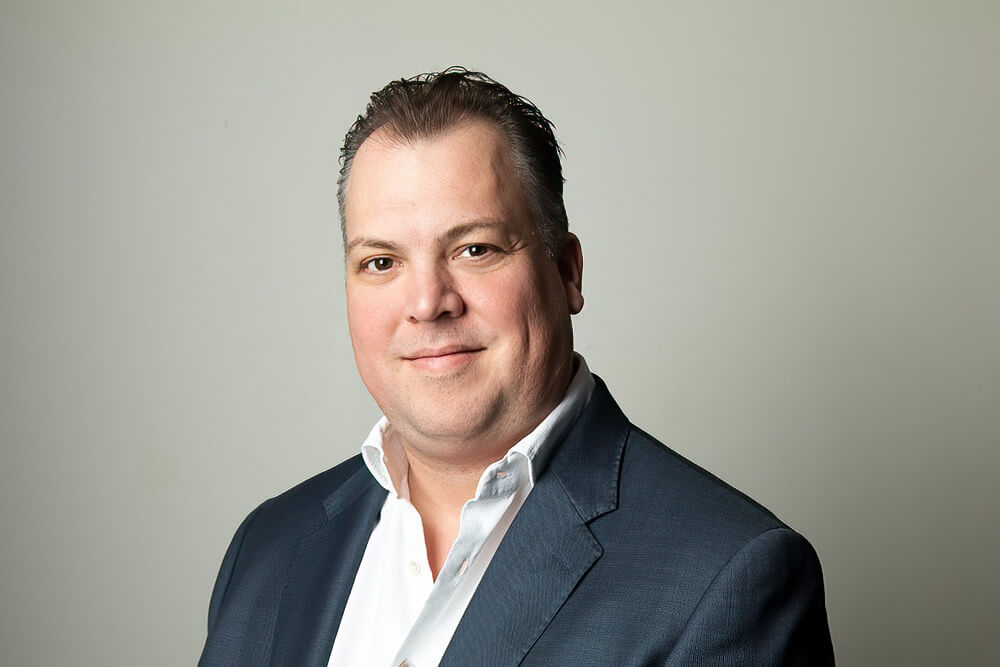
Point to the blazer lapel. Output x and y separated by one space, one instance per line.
321 573
548 547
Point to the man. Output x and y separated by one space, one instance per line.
504 511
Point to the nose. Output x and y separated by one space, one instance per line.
433 296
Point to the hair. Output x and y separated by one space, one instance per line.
429 104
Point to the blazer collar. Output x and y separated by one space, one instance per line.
588 462
322 570
548 547
546 551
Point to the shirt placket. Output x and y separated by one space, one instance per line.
479 517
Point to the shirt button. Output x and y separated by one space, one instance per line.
464 566
501 474
414 568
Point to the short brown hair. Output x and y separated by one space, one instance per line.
428 104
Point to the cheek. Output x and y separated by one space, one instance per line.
513 306
369 323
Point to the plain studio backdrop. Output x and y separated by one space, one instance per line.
789 213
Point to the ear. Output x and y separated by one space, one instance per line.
570 262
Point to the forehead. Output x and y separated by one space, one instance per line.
462 174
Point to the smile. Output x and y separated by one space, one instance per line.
442 359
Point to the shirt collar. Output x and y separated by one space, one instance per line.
387 462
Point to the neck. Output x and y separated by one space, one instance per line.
438 496
440 486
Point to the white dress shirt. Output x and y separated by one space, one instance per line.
397 614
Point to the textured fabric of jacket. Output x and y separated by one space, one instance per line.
623 554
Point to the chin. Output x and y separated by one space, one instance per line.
454 418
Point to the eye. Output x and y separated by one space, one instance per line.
476 250
377 264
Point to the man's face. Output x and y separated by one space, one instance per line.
459 318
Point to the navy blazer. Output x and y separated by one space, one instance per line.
624 553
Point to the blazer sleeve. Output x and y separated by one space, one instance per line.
226 571
764 607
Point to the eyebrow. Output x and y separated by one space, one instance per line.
452 234
371 243
458 231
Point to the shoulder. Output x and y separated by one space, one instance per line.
676 517
656 480
631 481
678 531
319 487
744 586
307 503
679 545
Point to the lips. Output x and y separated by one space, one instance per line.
443 358
438 352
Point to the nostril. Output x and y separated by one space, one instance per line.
435 297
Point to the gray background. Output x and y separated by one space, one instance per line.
789 217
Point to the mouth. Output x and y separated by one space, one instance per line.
442 358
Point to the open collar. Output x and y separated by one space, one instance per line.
546 551
549 546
